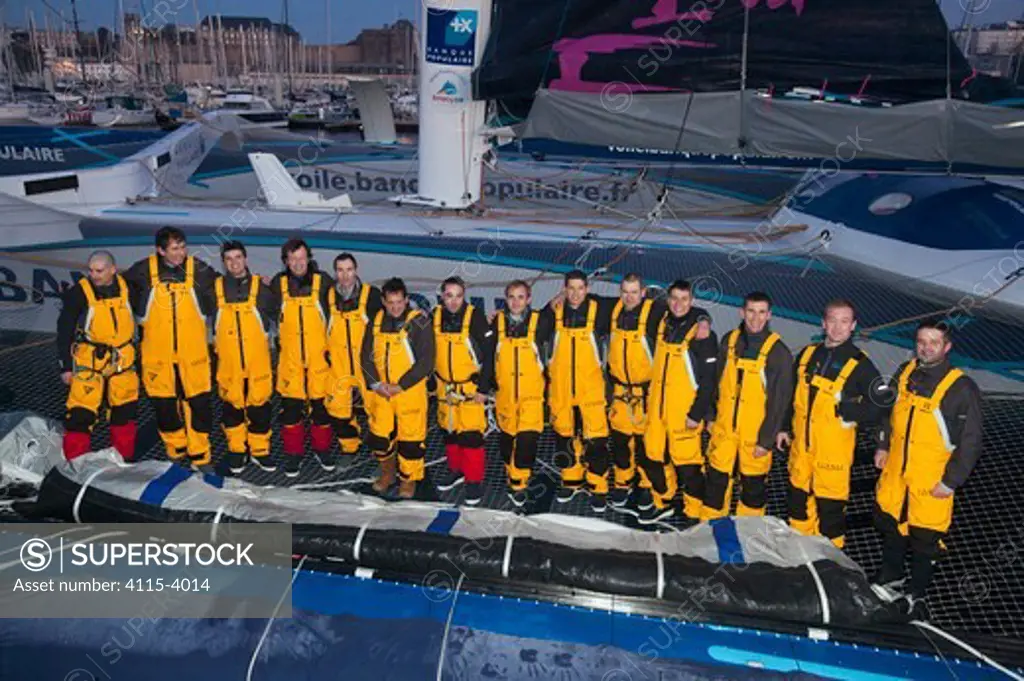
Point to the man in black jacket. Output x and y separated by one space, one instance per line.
678 403
303 373
928 446
837 391
398 358
353 305
576 389
463 368
520 338
95 345
245 374
755 386
171 294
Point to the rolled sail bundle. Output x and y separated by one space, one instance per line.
745 567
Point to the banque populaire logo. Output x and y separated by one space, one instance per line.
451 37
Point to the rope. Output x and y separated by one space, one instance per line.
1011 279
551 51
973 651
25 346
270 621
448 626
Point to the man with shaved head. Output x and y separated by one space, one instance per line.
95 336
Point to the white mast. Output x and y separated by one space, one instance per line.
451 147
223 53
200 38
37 51
245 56
330 47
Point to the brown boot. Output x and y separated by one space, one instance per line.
406 488
388 473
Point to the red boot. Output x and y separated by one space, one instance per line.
474 463
321 438
293 438
75 444
453 453
123 438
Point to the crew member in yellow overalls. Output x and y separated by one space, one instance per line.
95 336
521 337
245 376
755 387
576 390
303 374
398 358
928 447
172 295
463 369
681 392
837 390
353 304
634 327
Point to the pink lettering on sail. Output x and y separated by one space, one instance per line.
667 11
798 5
573 53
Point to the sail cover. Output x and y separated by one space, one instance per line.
945 135
708 77
891 50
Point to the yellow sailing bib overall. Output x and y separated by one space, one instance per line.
673 390
455 363
577 383
577 378
403 417
104 360
244 369
174 336
630 363
918 453
741 410
519 397
821 454
345 332
174 347
302 370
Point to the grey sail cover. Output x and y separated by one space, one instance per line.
943 132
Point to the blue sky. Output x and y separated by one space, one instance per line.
348 17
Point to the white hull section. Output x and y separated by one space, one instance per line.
973 276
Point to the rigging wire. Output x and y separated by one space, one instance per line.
1013 278
973 651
